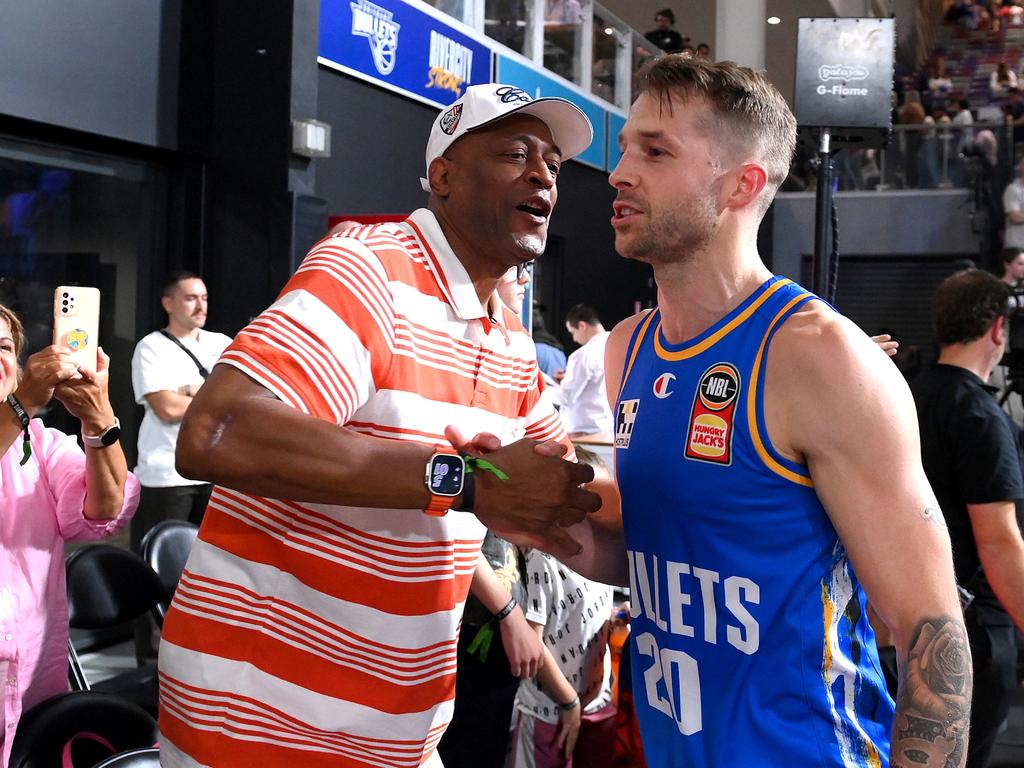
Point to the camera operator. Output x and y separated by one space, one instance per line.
1008 376
970 452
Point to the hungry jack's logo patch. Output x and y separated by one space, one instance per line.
711 420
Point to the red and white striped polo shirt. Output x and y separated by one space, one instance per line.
305 634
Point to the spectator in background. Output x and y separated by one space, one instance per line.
939 82
970 452
550 354
962 120
1001 81
52 493
1013 208
168 368
663 35
584 400
1013 266
703 51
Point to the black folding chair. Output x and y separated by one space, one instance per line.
166 547
108 587
83 726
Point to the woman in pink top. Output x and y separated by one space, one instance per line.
50 492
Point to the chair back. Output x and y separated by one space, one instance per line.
108 585
83 727
135 758
166 547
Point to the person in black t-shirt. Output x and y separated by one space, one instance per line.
663 35
971 454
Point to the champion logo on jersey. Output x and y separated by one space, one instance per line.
625 416
661 384
711 419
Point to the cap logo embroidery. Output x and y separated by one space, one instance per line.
450 119
508 94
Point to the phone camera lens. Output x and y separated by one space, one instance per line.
65 302
65 295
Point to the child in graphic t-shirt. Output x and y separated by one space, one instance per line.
566 712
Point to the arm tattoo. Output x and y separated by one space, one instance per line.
933 515
933 704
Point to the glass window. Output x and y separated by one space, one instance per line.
458 9
507 21
69 217
563 37
612 51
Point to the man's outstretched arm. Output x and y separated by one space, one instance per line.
238 434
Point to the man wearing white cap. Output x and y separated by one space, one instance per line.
317 618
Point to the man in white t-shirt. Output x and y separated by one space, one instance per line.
168 368
1013 206
583 398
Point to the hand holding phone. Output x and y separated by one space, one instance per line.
76 323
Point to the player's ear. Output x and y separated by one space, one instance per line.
745 185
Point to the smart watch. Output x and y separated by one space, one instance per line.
106 438
444 478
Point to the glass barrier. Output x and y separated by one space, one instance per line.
612 71
564 37
463 10
509 22
917 157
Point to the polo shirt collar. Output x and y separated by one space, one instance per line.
452 277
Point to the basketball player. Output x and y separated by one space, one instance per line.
768 463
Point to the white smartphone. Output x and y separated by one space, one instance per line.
76 322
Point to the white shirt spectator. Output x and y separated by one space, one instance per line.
159 364
583 396
1013 202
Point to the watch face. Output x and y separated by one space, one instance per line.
111 436
445 477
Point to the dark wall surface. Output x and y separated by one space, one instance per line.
77 65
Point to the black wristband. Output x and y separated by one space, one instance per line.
468 495
571 705
22 414
19 410
504 612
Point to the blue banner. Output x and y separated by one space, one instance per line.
401 47
538 84
615 125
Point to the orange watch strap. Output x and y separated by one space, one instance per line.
439 505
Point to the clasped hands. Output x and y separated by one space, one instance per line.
541 498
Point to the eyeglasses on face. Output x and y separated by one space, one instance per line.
524 269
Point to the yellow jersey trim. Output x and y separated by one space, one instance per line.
755 434
721 333
636 349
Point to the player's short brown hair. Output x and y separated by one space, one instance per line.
750 116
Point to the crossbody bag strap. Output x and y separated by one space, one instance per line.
202 368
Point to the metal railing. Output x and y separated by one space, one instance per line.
919 157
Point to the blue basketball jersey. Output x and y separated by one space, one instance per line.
750 641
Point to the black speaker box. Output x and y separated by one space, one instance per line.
844 71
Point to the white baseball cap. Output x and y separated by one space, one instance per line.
482 105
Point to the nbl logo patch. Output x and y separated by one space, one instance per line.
711 419
450 119
625 416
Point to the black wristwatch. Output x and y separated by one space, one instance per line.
106 438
